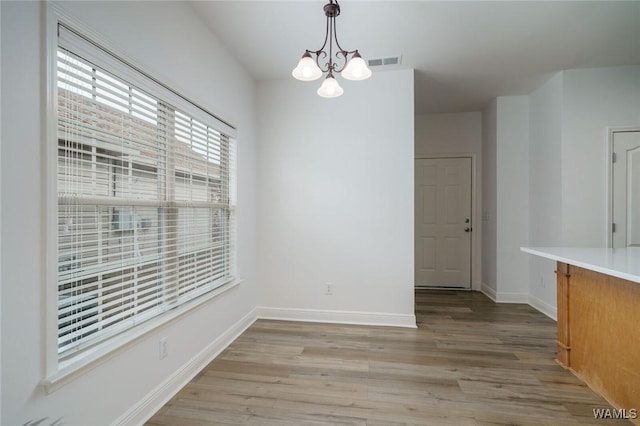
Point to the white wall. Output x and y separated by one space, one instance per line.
190 59
512 201
545 189
450 133
570 117
336 199
505 202
551 175
593 100
489 198
457 134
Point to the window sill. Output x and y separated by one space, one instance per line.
90 358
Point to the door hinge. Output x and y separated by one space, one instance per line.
614 157
613 227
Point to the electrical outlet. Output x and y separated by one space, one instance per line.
542 283
328 289
164 347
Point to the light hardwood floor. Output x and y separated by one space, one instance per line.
470 362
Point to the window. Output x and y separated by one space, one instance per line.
145 189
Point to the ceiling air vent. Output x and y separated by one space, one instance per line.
380 62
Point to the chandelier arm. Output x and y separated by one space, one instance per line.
332 31
324 55
343 52
335 36
326 38
321 50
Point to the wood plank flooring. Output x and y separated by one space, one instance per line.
470 362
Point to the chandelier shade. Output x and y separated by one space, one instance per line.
307 69
330 88
338 62
356 68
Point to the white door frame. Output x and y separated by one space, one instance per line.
609 188
475 211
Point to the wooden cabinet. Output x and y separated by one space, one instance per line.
599 333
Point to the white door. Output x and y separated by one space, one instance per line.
443 222
626 189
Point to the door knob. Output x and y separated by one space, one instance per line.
467 229
466 220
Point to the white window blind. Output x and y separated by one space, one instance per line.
146 198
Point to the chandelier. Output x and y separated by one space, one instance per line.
309 69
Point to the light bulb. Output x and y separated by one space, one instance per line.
356 69
307 69
330 88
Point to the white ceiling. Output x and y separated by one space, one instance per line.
464 53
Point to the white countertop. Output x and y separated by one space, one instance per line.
621 263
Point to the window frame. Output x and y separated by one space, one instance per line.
59 372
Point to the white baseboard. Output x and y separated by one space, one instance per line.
338 317
504 297
489 292
536 303
544 307
158 397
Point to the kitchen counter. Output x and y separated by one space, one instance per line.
598 299
620 263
